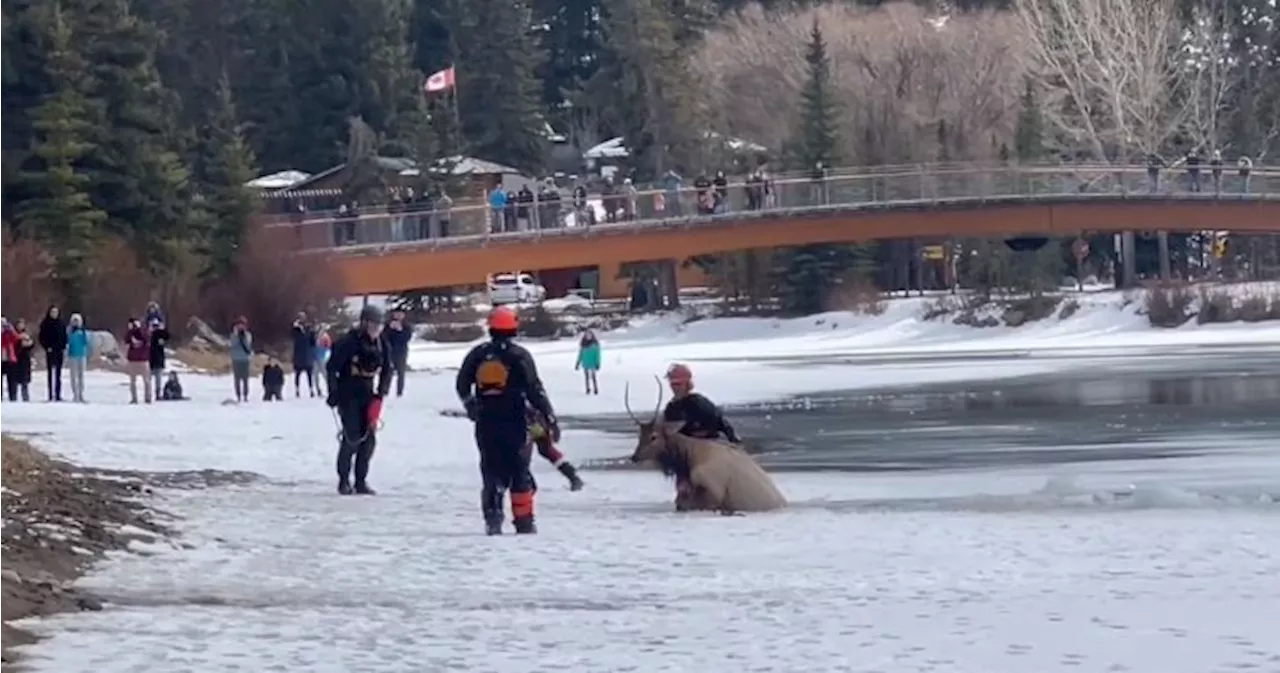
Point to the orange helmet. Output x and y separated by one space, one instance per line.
679 373
504 319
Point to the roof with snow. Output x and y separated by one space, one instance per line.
278 180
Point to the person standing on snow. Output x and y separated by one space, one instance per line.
359 356
20 368
78 348
241 357
541 439
304 355
324 345
137 356
496 381
589 361
157 340
53 339
398 334
8 348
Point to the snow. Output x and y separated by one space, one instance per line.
1115 566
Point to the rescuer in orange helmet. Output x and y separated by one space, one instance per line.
699 415
496 381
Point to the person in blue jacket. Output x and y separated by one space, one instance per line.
79 347
398 334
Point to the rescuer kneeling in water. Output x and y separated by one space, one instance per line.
495 382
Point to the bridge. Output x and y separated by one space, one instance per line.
385 251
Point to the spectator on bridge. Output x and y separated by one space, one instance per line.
583 215
443 214
721 199
549 205
672 184
524 208
702 192
509 213
497 209
1245 164
609 199
1154 163
755 190
630 200
1193 162
1215 167
818 189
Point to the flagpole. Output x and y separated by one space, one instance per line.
457 118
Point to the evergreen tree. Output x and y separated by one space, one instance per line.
1029 133
806 274
817 139
226 164
499 96
643 90
58 210
139 178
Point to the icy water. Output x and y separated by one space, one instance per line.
1128 406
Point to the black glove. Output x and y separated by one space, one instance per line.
472 405
553 428
331 399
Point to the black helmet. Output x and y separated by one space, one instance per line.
371 313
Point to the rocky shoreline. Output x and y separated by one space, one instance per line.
59 519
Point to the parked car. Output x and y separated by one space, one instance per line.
515 288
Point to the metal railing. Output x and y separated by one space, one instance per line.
383 230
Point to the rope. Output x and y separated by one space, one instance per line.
341 436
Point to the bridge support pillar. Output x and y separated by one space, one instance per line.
1128 259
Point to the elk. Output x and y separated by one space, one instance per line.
710 474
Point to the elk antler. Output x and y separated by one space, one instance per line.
658 409
626 401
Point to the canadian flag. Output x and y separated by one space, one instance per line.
440 81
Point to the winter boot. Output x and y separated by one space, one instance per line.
364 489
571 473
344 487
491 506
524 525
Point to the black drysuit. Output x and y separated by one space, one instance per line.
356 361
701 418
495 382
397 339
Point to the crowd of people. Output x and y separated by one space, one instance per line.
497 383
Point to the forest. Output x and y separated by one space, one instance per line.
131 126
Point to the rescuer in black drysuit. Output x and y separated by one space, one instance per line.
495 382
699 415
359 356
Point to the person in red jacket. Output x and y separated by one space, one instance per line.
137 360
8 348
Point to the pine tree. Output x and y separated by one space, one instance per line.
806 274
1028 137
817 139
643 90
226 164
59 211
139 177
499 96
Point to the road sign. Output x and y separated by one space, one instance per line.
1080 248
1219 247
933 252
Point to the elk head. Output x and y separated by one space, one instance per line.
651 434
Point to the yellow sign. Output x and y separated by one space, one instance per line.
933 252
1220 248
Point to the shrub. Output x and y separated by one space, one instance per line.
1216 306
538 322
1029 309
1168 306
856 296
270 286
1069 308
1260 307
455 332
27 287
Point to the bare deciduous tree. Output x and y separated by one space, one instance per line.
1214 73
1112 71
911 87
